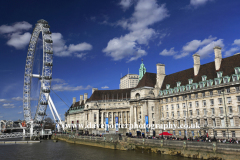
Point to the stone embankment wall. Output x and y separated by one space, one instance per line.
202 150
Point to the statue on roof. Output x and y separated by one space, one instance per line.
142 70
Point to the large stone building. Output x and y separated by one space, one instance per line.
206 94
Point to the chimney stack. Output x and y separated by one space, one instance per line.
218 57
196 61
81 99
160 75
85 97
94 89
74 100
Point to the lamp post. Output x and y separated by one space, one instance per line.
225 111
214 138
186 134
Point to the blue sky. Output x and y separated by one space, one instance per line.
97 41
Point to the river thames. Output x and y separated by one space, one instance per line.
48 149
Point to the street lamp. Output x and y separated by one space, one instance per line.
225 111
214 138
185 131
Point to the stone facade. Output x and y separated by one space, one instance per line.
207 95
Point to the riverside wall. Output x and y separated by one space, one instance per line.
201 150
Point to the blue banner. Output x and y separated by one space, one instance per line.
146 121
106 124
116 121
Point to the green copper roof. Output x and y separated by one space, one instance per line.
142 71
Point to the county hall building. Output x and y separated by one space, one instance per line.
206 94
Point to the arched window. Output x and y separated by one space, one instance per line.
137 96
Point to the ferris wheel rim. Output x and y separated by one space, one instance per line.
41 27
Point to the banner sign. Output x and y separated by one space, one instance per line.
146 120
116 120
107 124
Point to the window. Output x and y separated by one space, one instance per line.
162 115
222 122
198 122
190 81
211 101
197 104
166 107
184 113
213 111
233 133
230 109
183 97
224 133
189 96
219 91
190 104
221 110
219 100
166 100
238 98
162 108
171 99
172 114
196 95
197 111
238 109
210 93
177 98
219 74
204 102
178 113
173 132
167 114
205 122
180 133
213 122
152 108
190 112
228 90
152 115
231 122
95 117
203 94
183 105
205 112
237 88
172 107
178 106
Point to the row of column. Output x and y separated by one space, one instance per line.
120 117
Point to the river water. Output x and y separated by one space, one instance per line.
61 150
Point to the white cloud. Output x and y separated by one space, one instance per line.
8 105
14 34
208 49
17 27
79 47
81 55
18 40
67 87
58 80
3 100
126 4
236 42
204 48
20 112
17 98
146 13
105 87
197 3
231 51
61 49
166 52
